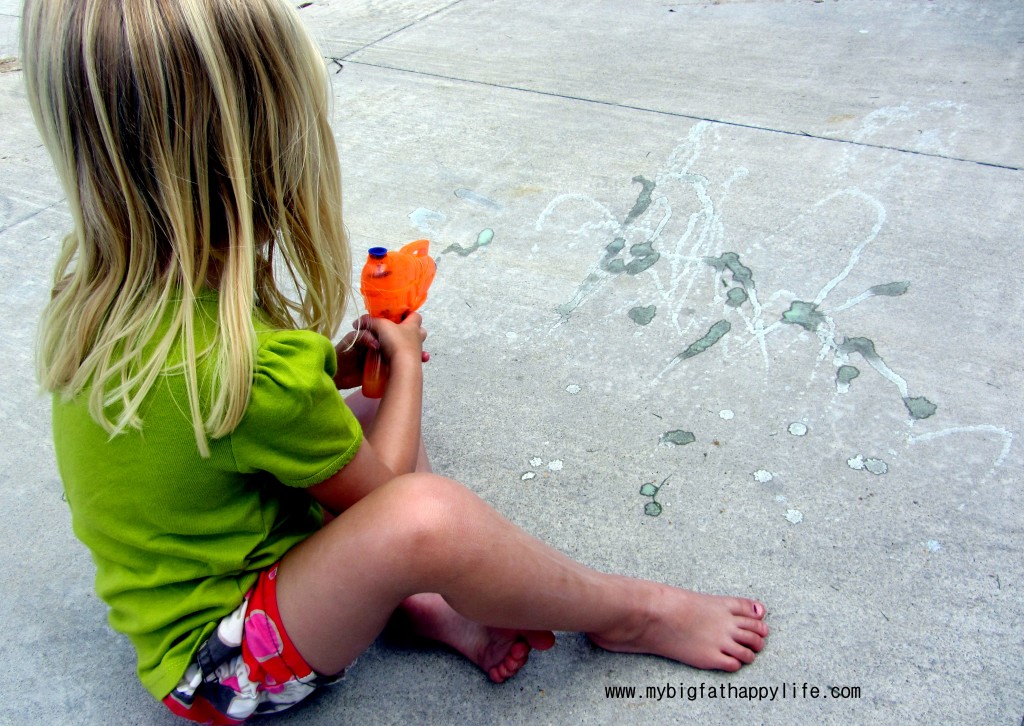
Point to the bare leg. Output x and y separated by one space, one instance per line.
499 652
424 534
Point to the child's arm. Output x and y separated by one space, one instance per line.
391 446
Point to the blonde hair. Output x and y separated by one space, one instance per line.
193 143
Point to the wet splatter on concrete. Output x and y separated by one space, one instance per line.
479 199
794 516
643 255
804 314
798 429
736 297
741 274
643 315
677 438
653 508
920 407
844 376
891 289
573 388
762 476
483 239
713 335
860 463
643 200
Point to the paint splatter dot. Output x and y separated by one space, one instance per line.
652 509
483 239
844 376
920 407
933 545
735 297
890 289
804 314
780 498
762 476
794 516
798 429
573 389
714 334
677 438
860 463
642 315
536 461
528 475
726 414
555 465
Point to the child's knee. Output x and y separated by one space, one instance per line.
430 512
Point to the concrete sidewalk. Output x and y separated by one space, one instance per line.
729 296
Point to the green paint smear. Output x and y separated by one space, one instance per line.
715 334
652 509
644 257
679 438
741 274
649 490
804 314
864 346
736 297
614 266
891 289
845 374
638 265
482 240
643 200
920 407
642 315
615 247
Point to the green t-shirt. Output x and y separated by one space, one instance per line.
179 539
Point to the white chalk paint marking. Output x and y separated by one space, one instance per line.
980 429
536 461
798 429
556 465
427 220
763 476
573 389
860 463
726 414
794 516
528 475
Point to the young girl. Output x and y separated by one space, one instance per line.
197 424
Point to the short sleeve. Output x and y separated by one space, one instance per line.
296 426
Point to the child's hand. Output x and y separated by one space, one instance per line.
351 350
399 340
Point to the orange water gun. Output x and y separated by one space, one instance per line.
393 285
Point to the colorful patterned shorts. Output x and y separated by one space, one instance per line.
247 667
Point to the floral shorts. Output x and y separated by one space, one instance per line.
248 667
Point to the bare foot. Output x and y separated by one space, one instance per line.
500 652
704 631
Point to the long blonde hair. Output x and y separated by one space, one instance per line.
193 143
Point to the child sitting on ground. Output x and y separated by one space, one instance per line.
197 422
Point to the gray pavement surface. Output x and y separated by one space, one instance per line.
729 295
